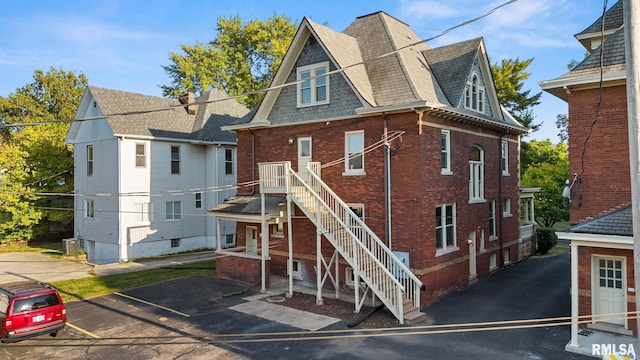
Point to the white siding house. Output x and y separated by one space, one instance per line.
145 180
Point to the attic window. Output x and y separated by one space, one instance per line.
314 86
474 95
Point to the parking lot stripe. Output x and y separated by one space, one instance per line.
83 331
152 304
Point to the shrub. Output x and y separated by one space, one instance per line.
547 239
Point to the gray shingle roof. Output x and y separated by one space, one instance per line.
617 223
451 64
613 19
403 77
174 122
251 205
345 51
613 56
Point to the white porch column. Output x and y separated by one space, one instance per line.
218 239
264 230
574 296
290 241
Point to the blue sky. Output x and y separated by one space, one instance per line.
123 44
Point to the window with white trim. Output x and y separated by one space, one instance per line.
175 243
445 228
175 159
89 209
476 174
492 220
506 207
142 212
313 88
504 157
198 196
229 239
354 152
474 94
141 156
173 210
89 160
445 152
228 161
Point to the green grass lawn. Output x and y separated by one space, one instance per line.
89 287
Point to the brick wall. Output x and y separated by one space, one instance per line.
246 270
603 163
417 187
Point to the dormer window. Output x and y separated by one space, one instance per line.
314 87
474 95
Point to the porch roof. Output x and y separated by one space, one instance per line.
618 223
249 208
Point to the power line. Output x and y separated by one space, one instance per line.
275 87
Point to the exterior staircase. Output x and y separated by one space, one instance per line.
372 261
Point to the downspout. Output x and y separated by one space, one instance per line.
253 166
500 211
387 180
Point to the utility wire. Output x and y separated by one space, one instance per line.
275 87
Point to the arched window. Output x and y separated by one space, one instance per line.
474 95
476 174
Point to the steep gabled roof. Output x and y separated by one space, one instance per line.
452 64
172 122
388 68
404 76
345 52
613 20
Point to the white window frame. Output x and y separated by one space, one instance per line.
296 269
445 157
173 210
504 157
445 247
350 154
228 161
143 213
141 158
476 177
506 207
175 243
229 239
315 80
198 200
89 209
493 230
174 161
89 160
474 94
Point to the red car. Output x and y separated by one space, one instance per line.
29 309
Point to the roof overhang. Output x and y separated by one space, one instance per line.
562 86
597 240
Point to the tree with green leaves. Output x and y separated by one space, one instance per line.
242 59
548 169
35 158
562 123
509 77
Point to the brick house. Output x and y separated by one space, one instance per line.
376 166
601 234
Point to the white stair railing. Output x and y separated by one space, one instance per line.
385 274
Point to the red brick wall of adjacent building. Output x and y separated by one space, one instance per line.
243 269
585 256
598 152
417 187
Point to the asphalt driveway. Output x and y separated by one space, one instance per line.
192 318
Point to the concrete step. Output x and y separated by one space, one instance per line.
414 316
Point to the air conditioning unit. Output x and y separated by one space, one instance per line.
70 246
